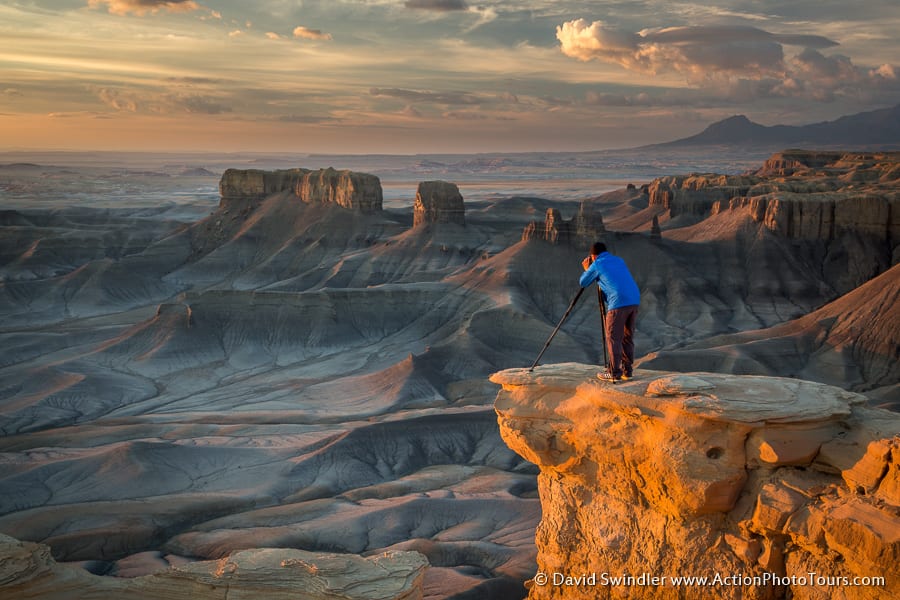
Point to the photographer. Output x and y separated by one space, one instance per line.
622 297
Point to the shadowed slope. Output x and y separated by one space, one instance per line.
853 341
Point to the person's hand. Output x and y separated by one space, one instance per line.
586 263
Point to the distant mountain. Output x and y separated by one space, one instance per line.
875 129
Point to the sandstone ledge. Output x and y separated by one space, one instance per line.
798 194
348 189
698 474
28 571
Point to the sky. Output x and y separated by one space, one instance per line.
430 76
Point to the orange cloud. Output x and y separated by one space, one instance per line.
310 34
142 7
694 51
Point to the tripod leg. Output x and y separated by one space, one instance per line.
564 317
603 327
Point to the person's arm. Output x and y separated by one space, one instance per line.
590 274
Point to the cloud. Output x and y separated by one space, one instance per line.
735 62
885 71
118 100
69 115
11 92
306 119
697 52
146 102
463 98
715 35
437 5
598 41
272 35
464 116
609 99
824 78
193 80
459 115
142 7
310 34
486 14
196 104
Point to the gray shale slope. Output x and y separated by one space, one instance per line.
304 369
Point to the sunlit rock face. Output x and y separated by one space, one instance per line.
356 191
28 571
799 194
702 475
438 202
580 231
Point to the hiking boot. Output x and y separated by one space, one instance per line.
607 376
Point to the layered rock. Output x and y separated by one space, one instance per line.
696 194
790 162
582 229
769 487
28 571
355 191
438 202
799 194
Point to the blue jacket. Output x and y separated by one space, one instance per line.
614 279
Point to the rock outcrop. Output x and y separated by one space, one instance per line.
655 230
356 191
768 487
799 194
438 202
28 571
581 230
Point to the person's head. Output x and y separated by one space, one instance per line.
598 248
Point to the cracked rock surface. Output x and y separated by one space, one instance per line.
677 474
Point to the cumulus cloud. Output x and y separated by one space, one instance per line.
598 41
694 51
732 60
310 34
437 5
272 35
885 71
142 7
824 78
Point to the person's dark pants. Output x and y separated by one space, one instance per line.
620 339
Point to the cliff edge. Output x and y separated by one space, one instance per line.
348 189
768 487
798 194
